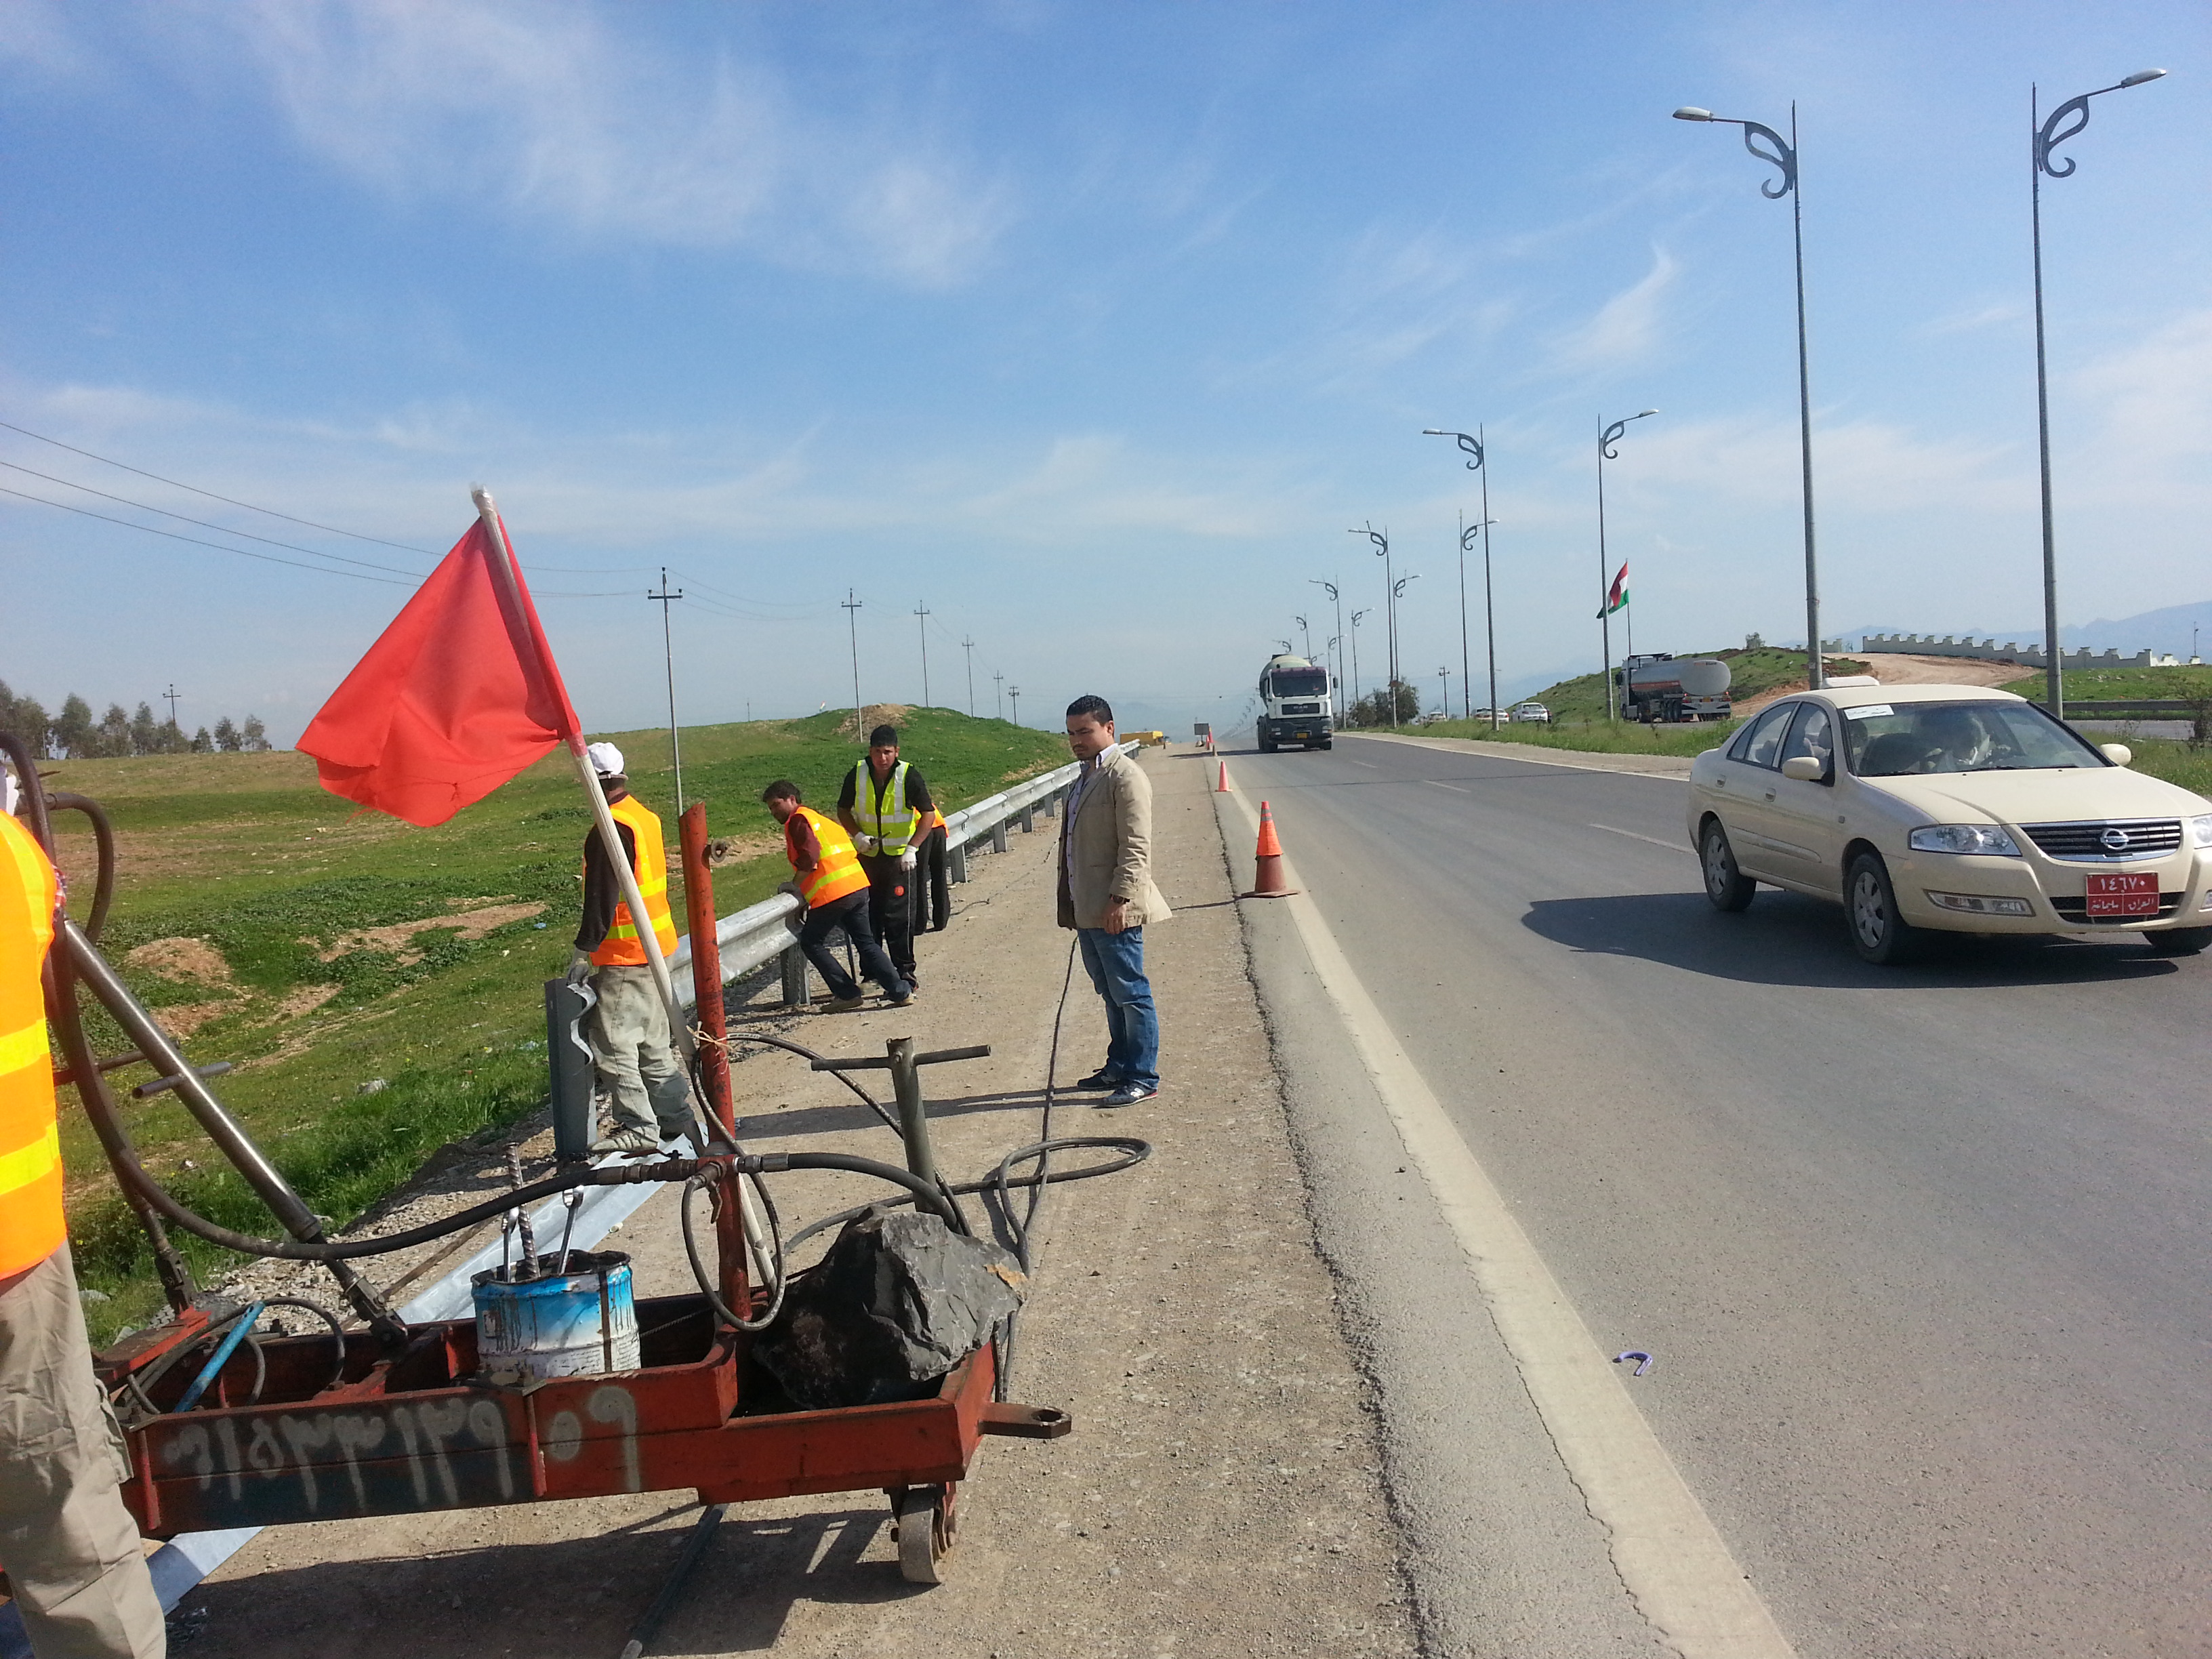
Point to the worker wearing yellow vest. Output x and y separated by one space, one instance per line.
70 1548
640 1083
885 805
835 888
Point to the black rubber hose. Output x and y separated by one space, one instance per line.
806 1053
706 1285
1134 1153
103 835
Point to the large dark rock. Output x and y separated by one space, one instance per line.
899 1300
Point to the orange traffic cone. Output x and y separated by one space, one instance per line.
1222 786
1267 880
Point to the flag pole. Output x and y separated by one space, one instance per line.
610 838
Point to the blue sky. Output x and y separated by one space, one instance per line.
1091 326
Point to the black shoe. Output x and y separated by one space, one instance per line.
1101 1078
1129 1094
913 980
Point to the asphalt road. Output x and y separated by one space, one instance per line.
1920 1253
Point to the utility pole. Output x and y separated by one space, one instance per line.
1000 686
1015 692
921 616
173 694
851 607
1444 674
968 646
668 651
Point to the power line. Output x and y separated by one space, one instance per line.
228 501
411 580
224 529
220 547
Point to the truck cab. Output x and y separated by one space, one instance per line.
1297 704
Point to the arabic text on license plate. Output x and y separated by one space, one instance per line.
2123 894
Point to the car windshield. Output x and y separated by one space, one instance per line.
1882 741
1301 681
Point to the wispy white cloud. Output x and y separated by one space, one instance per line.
1627 329
548 113
1972 319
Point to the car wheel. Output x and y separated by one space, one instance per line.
1878 932
1330 743
1728 887
2178 941
1265 747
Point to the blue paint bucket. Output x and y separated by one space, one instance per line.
578 1323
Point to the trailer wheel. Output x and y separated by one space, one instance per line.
927 1523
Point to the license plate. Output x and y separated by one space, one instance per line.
2124 896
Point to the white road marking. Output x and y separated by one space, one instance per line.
1534 753
1671 1560
1370 765
1671 847
1454 787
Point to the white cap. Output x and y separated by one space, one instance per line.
606 759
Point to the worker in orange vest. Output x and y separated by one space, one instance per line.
835 890
641 1082
70 1548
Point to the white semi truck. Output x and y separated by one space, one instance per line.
1661 688
1297 704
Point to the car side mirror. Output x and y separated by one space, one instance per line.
2118 753
1805 769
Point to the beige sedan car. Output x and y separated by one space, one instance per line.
1950 808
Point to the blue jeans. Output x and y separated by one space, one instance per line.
1115 963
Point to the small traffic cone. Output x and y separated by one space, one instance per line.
1222 786
1267 879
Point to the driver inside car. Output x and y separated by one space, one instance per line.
1959 741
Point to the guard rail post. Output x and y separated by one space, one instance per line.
999 837
793 963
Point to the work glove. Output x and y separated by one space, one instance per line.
866 845
579 969
906 860
794 889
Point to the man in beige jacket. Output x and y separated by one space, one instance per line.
1106 894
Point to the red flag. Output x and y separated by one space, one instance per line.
457 695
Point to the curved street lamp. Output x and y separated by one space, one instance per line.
1473 446
1306 633
1783 154
1381 540
2047 137
1606 439
1316 581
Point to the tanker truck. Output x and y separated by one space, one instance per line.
1297 705
1661 688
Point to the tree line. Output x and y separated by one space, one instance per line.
74 734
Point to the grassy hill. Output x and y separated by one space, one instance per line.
2095 685
320 947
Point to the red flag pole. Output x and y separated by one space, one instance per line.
503 560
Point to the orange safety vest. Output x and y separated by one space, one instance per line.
839 872
622 948
32 1226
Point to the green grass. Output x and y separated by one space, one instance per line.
249 855
2114 685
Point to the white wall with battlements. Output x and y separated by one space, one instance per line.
2029 656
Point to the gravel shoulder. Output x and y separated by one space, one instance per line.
1221 1494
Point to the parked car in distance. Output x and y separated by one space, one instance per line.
1528 712
1950 808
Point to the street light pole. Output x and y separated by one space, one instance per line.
1358 616
1306 633
1335 644
1015 692
1397 592
1608 437
668 651
1444 674
1473 447
2047 136
1783 156
1381 540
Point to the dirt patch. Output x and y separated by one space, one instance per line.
183 961
1892 670
864 721
398 937
738 849
305 1000
181 1020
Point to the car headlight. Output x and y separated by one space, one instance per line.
1963 838
2202 830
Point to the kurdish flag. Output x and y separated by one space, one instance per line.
1618 598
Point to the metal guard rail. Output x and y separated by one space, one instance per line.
752 937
